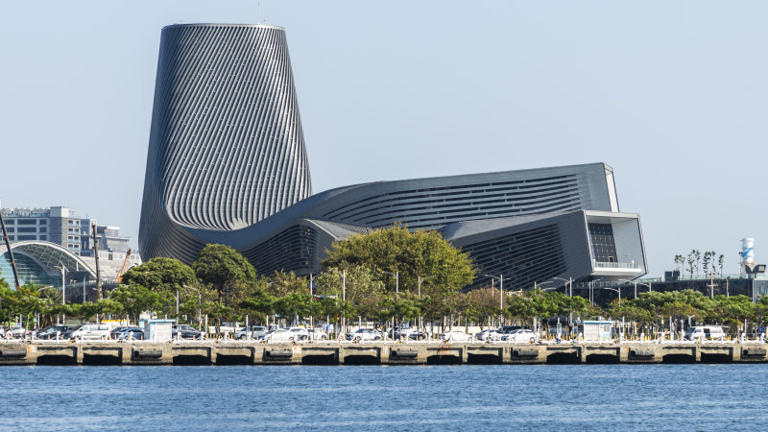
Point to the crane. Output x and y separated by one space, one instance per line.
10 252
124 267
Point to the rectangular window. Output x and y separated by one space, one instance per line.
27 229
26 221
603 244
27 237
69 238
42 221
12 238
11 229
43 237
42 229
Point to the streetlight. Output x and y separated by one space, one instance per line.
500 278
570 284
636 283
64 271
617 290
592 290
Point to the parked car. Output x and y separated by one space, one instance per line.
281 335
520 336
255 331
455 336
704 333
16 332
90 331
185 332
365 335
317 334
502 331
407 333
50 332
116 332
486 335
131 333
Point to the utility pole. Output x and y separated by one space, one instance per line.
96 256
344 302
10 252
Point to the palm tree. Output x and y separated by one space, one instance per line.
697 254
720 262
680 262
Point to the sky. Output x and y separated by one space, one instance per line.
672 95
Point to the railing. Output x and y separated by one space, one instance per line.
616 265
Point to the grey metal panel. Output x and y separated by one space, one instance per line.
226 147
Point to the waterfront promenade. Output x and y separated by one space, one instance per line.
373 353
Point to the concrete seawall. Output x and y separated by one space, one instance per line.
332 353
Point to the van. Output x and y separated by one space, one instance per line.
91 331
704 333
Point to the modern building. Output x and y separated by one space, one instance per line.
50 241
224 169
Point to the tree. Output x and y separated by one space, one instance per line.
680 263
705 263
424 254
364 290
691 263
135 299
163 275
228 272
720 262
222 267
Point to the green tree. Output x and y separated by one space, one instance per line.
135 299
424 254
364 290
228 272
165 276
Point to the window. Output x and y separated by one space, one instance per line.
26 237
12 238
11 229
42 221
42 229
27 229
43 237
26 221
603 245
69 237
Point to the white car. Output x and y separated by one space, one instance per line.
520 336
456 336
700 333
16 332
281 335
308 334
486 335
365 335
91 332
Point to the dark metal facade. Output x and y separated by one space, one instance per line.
226 148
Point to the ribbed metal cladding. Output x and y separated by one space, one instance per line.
226 147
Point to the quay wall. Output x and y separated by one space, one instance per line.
375 353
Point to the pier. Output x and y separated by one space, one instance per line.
374 353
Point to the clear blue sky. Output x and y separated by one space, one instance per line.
671 94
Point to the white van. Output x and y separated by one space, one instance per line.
704 333
91 331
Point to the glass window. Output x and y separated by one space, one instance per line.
27 237
11 229
27 229
43 237
42 229
603 245
42 221
26 221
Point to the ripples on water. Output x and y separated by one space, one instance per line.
361 398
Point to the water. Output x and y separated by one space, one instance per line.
380 398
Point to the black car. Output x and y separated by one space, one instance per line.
185 332
50 332
115 333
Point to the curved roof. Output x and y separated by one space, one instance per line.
50 255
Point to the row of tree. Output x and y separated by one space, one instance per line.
387 274
710 262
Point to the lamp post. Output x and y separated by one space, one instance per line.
63 271
500 278
616 290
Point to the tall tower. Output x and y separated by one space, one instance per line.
226 148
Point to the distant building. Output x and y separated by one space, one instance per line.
50 241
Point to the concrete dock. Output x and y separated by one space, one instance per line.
377 353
